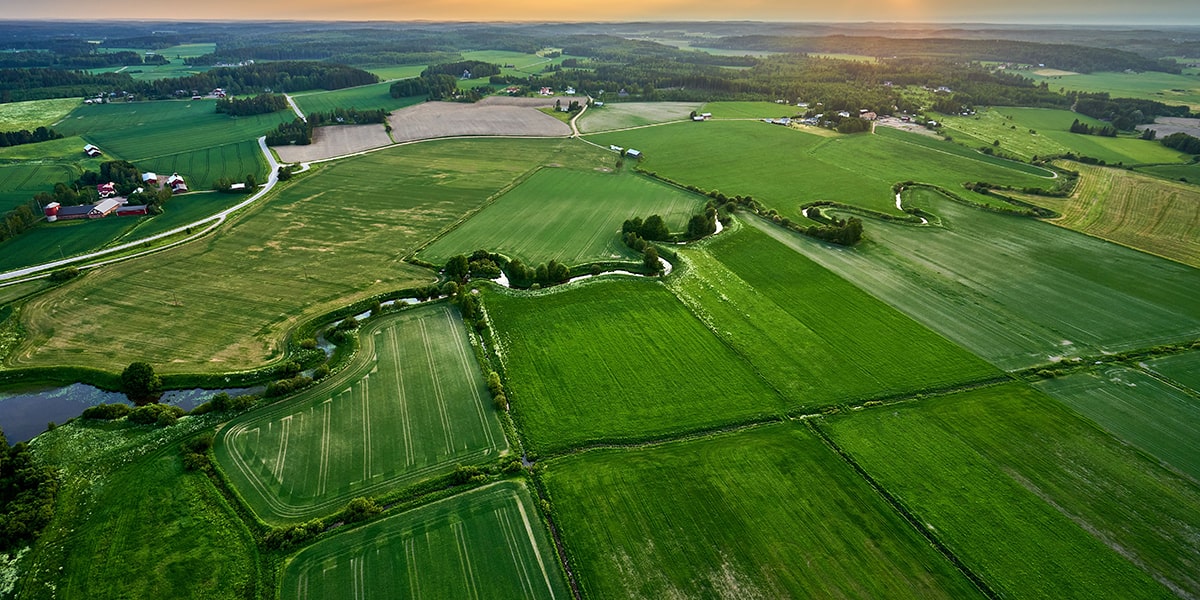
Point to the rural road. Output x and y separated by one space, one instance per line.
295 108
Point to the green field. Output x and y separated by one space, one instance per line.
325 240
64 239
1149 413
764 513
1183 369
410 406
202 168
1187 173
785 168
366 97
15 116
1015 291
618 360
1149 85
813 335
568 215
486 543
396 72
1032 498
748 110
20 181
621 115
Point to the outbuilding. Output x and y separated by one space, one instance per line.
91 151
631 153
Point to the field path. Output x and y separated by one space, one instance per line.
295 107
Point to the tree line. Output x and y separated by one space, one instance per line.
27 493
257 105
1182 142
1100 130
24 136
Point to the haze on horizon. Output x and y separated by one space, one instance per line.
1118 12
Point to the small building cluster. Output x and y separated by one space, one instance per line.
91 151
702 117
105 207
175 181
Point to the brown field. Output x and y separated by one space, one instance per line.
491 116
1165 126
335 140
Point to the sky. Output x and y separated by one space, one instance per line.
1121 12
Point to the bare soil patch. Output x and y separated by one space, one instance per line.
909 126
335 140
491 116
1168 125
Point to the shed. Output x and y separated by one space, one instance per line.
91 150
631 153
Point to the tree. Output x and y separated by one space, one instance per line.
458 267
651 261
655 229
140 383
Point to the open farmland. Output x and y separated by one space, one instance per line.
567 215
410 406
325 240
763 513
63 239
1183 369
748 110
1149 413
491 116
813 335
1186 173
363 97
745 157
15 116
622 115
1148 85
1032 498
1015 291
618 360
335 140
202 168
20 181
487 543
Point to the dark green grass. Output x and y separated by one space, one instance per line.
813 335
19 182
1181 368
1015 291
1034 499
202 168
1191 172
50 242
1151 414
765 513
618 360
567 215
486 543
367 97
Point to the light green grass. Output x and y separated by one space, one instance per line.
9 293
1148 85
1015 291
188 50
397 71
567 215
366 97
487 543
50 242
1183 369
1190 173
748 110
1034 499
15 116
621 115
410 406
814 336
766 513
325 240
618 360
1151 414
202 168
20 181
840 56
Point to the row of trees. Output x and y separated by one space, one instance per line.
1085 129
258 105
1124 113
24 136
1182 142
348 116
436 86
27 493
298 132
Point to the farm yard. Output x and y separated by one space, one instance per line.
493 116
485 543
411 406
335 140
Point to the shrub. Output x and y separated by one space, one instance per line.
106 412
163 415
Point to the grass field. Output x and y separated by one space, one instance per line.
1015 291
744 158
765 513
1147 213
20 181
1183 369
325 240
621 115
748 110
568 215
1187 173
410 406
390 73
1032 498
15 116
486 543
64 239
813 335
202 168
1150 85
618 360
366 97
1151 414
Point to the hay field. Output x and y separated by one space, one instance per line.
620 115
15 116
492 116
335 140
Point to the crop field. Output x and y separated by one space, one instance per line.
487 543
365 97
61 240
813 335
522 64
15 116
335 140
1147 213
493 117
20 181
1015 291
325 240
1185 173
202 168
622 115
567 215
1148 85
762 513
618 360
1183 369
1149 413
1032 498
748 110
411 405
743 158
394 72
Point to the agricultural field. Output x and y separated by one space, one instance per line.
522 64
1184 173
1143 212
748 110
1035 500
64 239
491 116
20 181
623 115
768 512
1015 291
202 168
744 158
15 116
411 405
1149 85
1183 369
608 361
365 97
326 239
568 215
335 140
1160 418
392 73
486 543
814 336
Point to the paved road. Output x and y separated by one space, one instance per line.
295 108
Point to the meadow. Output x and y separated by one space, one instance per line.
325 240
813 335
64 239
486 543
411 405
1015 291
622 115
394 72
15 116
1186 173
1033 499
20 181
1183 369
1149 413
1149 85
748 110
366 97
572 216
744 158
202 168
617 360
768 512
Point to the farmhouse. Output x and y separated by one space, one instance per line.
177 184
104 190
150 177
91 151
98 210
